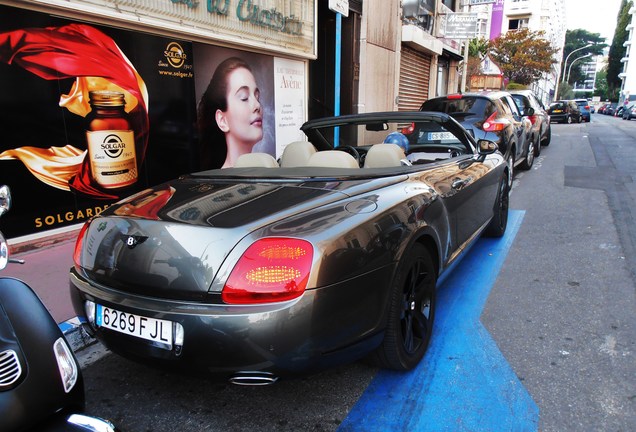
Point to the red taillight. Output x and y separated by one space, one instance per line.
492 124
77 253
587 107
409 129
270 270
454 96
533 119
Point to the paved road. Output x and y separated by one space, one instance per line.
563 310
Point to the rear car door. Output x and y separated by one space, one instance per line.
521 125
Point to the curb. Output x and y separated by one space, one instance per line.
75 334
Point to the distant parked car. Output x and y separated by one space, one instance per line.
592 109
584 106
629 112
565 111
610 109
494 116
532 108
602 108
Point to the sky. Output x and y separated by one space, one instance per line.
595 16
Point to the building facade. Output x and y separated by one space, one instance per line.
159 57
628 75
500 16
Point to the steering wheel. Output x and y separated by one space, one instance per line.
352 151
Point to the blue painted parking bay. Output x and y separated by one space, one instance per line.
463 383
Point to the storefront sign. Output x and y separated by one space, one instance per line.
461 26
285 26
339 6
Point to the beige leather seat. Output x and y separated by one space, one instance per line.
384 155
333 159
297 154
263 160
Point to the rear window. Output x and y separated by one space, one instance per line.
557 105
480 107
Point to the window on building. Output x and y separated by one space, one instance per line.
419 13
482 27
518 24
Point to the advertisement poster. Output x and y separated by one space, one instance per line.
290 101
91 114
235 104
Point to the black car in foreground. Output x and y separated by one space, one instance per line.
273 268
491 115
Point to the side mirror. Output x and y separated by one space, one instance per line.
487 147
529 111
5 199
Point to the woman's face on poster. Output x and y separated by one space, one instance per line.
243 118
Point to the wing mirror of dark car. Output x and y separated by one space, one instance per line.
487 147
529 111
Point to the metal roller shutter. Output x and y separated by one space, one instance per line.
415 73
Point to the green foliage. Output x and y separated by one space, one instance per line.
478 47
523 55
574 40
601 84
617 50
516 86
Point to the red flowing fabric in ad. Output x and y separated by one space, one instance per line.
94 59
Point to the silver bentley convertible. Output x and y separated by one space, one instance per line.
276 268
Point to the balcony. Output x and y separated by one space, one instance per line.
523 7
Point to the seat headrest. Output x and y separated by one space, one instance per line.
333 159
384 155
264 160
296 154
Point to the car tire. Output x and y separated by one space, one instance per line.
527 162
568 120
411 312
499 221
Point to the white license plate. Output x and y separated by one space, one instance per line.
151 329
441 136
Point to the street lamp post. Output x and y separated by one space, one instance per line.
556 91
574 61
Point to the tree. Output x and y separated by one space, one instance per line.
523 55
617 51
477 49
601 84
574 40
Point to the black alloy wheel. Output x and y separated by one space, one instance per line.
411 312
569 119
499 222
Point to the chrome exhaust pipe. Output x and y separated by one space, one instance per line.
253 378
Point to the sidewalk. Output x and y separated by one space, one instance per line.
46 271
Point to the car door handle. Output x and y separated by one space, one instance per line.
460 183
